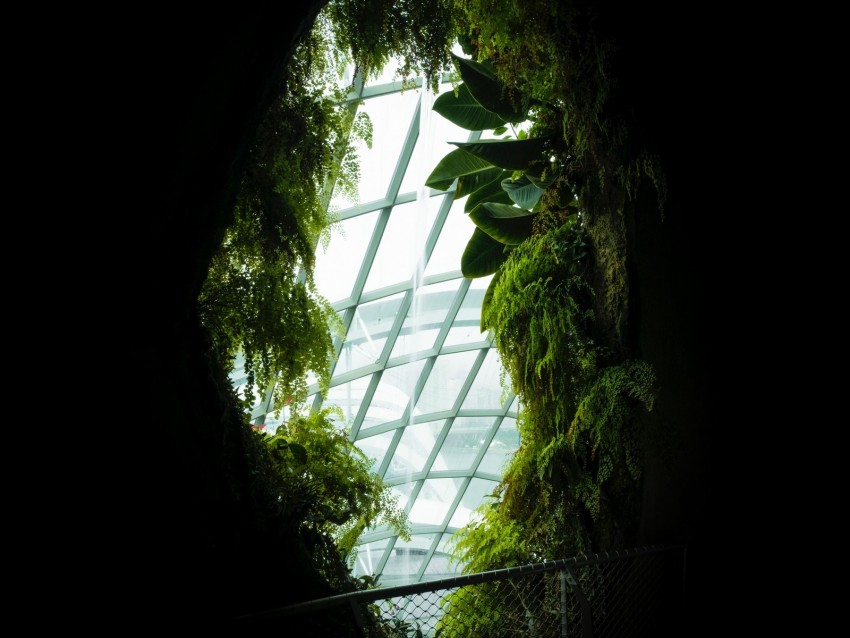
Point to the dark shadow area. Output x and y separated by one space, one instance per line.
182 547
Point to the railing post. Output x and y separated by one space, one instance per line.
569 577
564 621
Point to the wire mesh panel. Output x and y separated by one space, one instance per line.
522 606
633 593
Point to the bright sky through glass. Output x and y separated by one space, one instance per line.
415 378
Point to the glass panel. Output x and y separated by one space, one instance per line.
434 500
391 116
425 318
501 449
444 382
486 390
406 559
414 448
348 396
337 268
465 440
514 409
375 447
467 324
437 132
369 556
473 497
440 565
393 393
367 334
403 491
402 245
456 232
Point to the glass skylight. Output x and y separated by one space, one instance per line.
416 379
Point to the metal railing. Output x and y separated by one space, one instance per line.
637 592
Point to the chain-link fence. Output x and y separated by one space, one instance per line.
630 593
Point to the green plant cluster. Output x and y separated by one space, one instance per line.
541 204
259 297
540 194
322 483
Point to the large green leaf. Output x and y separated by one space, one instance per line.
482 256
456 164
491 191
523 191
506 224
469 184
465 111
488 91
511 155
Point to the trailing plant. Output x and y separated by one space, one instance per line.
538 309
259 297
604 436
420 33
326 482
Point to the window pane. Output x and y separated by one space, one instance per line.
473 497
455 234
348 396
425 318
414 448
502 448
435 497
368 333
464 442
337 268
486 390
393 393
375 447
447 376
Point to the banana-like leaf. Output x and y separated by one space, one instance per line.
456 164
506 224
469 184
488 298
491 191
465 111
482 256
511 155
488 91
523 191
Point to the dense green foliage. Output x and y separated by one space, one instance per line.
549 228
419 32
547 200
323 480
259 297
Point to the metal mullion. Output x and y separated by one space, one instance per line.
470 378
494 428
394 331
444 525
417 388
390 453
438 444
369 255
405 153
364 405
438 536
451 313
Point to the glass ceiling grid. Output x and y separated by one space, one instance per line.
430 413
